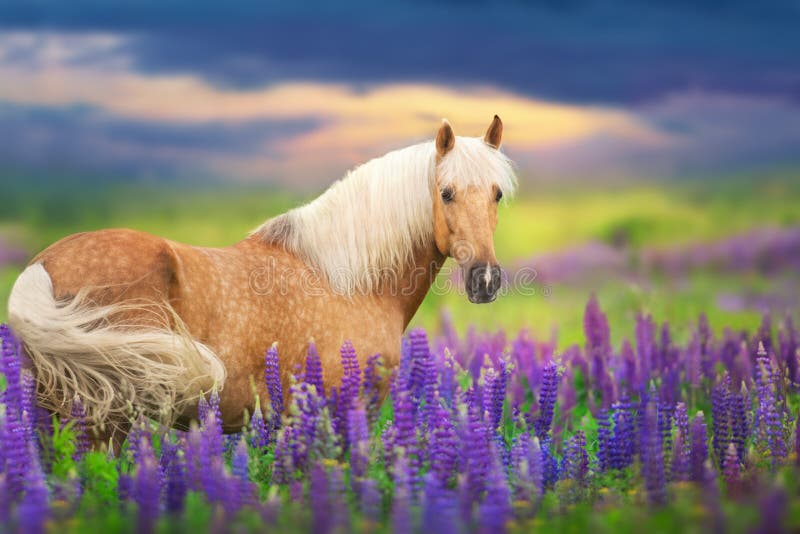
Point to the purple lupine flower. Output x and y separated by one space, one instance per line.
789 343
495 510
497 394
259 433
739 407
576 460
405 432
763 338
547 400
34 509
388 438
550 471
370 501
768 420
629 374
313 371
476 451
797 440
731 470
371 386
604 440
443 447
699 455
773 507
720 423
283 468
401 501
710 489
140 431
622 449
694 366
320 501
536 468
272 376
78 417
147 488
174 469
10 367
439 507
349 390
28 406
241 473
665 415
202 409
359 441
645 346
340 514
653 456
598 347
420 360
17 453
680 469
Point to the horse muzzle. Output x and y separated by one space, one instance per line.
483 282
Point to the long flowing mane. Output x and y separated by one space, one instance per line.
368 224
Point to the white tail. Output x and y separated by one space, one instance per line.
76 350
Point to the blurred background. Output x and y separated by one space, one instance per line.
657 143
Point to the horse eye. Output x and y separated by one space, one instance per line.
498 196
448 194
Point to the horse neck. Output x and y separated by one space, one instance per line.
415 281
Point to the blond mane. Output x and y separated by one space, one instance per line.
368 223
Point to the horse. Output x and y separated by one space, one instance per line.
120 318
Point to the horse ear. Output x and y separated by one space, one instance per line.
445 138
494 134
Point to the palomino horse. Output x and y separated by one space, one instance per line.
122 318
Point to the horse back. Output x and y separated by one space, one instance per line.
111 266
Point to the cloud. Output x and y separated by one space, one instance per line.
76 103
82 138
575 51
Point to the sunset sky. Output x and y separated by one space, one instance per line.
296 95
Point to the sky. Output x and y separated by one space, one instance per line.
296 94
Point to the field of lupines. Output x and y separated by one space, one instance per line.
485 433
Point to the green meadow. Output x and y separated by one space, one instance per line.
539 220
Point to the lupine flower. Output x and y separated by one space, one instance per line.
241 472
739 420
401 502
439 507
78 416
547 400
681 468
604 440
443 447
175 473
598 347
259 434
147 489
319 498
348 393
313 371
495 510
769 424
359 441
272 376
622 449
699 442
653 456
476 453
720 417
371 387
370 500
731 470
34 509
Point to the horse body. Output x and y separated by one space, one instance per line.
119 316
